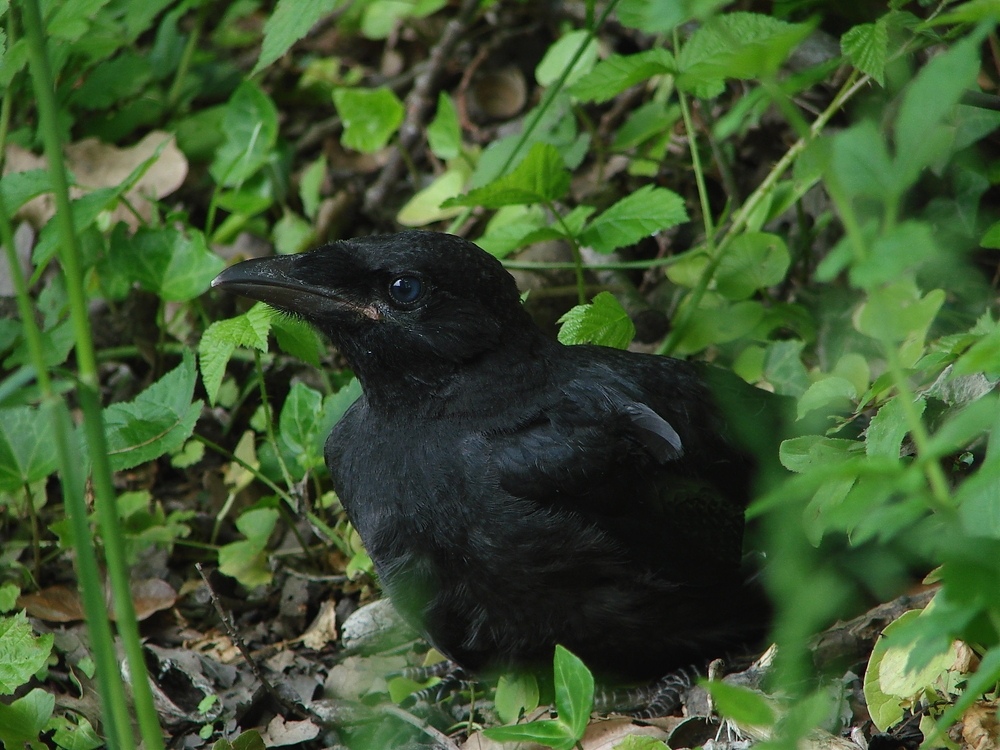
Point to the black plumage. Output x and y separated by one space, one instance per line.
513 492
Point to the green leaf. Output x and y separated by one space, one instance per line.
860 164
887 429
903 248
612 76
26 442
291 233
21 652
8 596
640 742
978 508
604 321
558 57
717 322
574 688
802 454
867 47
425 206
660 16
735 45
250 125
921 137
74 735
982 357
290 21
310 186
24 719
516 695
223 336
156 422
17 188
990 239
641 214
299 426
832 392
370 117
246 560
444 135
897 311
174 266
554 734
742 705
298 338
539 178
752 261
648 122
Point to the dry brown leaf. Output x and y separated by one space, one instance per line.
280 732
323 629
100 165
53 604
981 727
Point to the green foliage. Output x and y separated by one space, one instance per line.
23 653
370 117
574 699
603 321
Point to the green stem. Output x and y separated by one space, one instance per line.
93 424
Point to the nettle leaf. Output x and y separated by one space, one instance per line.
223 336
444 135
370 117
744 706
735 45
21 652
290 21
559 56
541 177
574 689
604 321
26 453
612 76
867 47
157 421
250 126
165 261
641 214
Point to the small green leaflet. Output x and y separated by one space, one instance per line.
604 321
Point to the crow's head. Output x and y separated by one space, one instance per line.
413 305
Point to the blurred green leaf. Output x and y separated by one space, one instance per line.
558 57
26 453
612 76
290 21
444 135
250 126
24 653
370 117
742 705
516 695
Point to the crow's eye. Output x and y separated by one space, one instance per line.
405 290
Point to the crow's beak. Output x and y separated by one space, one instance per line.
277 281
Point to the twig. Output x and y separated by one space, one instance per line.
418 101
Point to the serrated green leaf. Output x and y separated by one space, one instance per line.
290 21
742 705
156 422
298 338
444 135
21 652
223 336
612 76
558 57
888 427
539 178
370 117
641 214
177 267
250 127
604 321
26 453
867 47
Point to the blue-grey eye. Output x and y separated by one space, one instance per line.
405 290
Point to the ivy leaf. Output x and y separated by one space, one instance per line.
644 212
604 321
867 47
541 177
157 421
370 117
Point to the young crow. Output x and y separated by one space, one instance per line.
513 492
